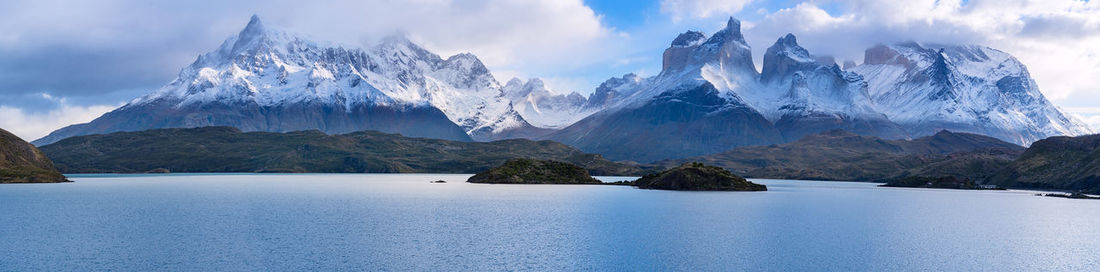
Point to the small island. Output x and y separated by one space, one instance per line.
1076 195
21 162
945 182
697 177
529 171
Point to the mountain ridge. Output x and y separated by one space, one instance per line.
845 156
709 97
902 91
267 79
228 149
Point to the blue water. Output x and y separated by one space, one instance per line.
402 222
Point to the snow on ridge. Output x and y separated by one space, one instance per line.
990 93
269 67
545 108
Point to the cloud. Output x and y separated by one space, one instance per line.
680 9
76 47
111 51
1056 39
1089 115
31 125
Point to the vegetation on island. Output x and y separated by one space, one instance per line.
944 182
697 177
529 171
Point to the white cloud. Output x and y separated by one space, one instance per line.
566 85
500 32
153 40
1056 39
33 125
680 9
1090 115
61 46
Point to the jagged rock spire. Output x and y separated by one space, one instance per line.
726 49
251 36
732 32
689 38
785 57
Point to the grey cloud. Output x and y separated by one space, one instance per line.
1062 27
96 48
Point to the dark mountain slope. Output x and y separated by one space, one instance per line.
840 155
224 149
1070 163
673 125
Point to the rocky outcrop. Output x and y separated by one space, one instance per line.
697 177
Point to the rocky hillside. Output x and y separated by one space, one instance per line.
697 177
1067 163
225 149
21 162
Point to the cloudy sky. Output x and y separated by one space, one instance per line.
65 62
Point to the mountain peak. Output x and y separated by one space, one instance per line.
689 38
515 82
785 57
944 133
536 84
254 28
399 37
787 40
726 48
253 38
733 23
732 32
254 20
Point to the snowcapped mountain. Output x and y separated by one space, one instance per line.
966 88
709 97
265 79
543 108
803 94
692 107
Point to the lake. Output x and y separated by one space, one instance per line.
403 222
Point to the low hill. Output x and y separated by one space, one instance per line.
21 162
840 155
697 177
225 149
1066 163
528 171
